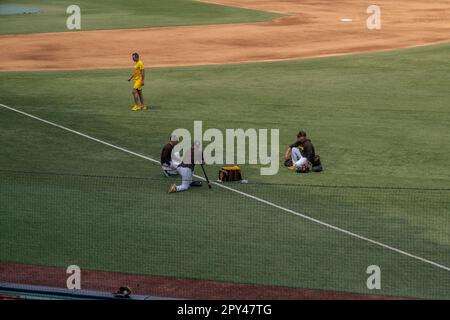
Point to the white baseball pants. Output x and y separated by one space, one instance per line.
297 158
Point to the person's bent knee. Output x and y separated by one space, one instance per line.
301 162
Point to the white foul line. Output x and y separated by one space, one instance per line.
240 192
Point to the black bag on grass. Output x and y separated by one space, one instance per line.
317 164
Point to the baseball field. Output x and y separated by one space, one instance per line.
81 184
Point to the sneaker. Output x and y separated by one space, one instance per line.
292 168
144 107
135 108
173 188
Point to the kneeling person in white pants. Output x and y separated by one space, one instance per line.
186 168
186 174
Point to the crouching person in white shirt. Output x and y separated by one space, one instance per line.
169 162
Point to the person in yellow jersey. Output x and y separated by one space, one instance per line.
139 77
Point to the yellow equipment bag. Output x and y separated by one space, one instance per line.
231 173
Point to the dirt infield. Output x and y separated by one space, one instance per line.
313 28
166 286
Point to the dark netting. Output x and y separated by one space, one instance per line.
127 230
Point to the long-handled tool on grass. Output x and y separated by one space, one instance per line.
206 177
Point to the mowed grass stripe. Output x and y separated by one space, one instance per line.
56 220
354 235
370 117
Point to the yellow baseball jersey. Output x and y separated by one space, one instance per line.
137 70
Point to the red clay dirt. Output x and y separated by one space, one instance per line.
313 28
167 286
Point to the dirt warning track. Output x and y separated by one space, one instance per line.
311 28
169 286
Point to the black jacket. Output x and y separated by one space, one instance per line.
306 149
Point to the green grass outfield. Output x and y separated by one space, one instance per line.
118 14
377 120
